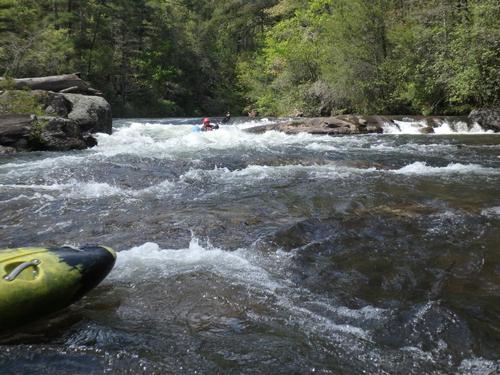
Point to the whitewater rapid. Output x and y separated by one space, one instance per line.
275 253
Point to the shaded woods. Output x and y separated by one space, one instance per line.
317 57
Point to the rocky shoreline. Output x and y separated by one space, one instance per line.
60 113
43 120
488 119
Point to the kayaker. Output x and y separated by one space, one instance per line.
226 118
207 126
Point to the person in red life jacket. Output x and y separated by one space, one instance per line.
206 127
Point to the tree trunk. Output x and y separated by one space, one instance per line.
56 84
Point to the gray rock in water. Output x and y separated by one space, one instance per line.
29 133
52 103
91 113
59 134
488 119
15 130
427 130
337 125
7 150
68 121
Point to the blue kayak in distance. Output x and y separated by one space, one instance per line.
198 129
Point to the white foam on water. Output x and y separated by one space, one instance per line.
460 128
404 127
72 189
255 174
173 141
149 261
416 127
421 168
223 177
91 190
158 140
365 313
28 167
413 148
36 196
138 262
491 211
167 141
322 146
479 366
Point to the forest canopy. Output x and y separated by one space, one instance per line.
316 57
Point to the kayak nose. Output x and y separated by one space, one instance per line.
94 263
38 281
112 252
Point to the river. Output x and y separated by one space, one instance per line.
266 253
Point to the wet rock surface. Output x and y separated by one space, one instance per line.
92 114
486 118
41 120
338 125
358 124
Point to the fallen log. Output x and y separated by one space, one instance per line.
57 83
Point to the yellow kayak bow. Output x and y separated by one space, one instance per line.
38 281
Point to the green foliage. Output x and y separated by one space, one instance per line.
332 56
21 103
35 139
7 83
317 57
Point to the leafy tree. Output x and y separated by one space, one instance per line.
186 57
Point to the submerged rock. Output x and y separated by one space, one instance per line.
431 327
427 130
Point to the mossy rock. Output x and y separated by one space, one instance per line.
20 102
36 140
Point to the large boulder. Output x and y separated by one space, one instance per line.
44 120
59 134
15 130
488 119
53 104
336 125
31 133
36 102
91 113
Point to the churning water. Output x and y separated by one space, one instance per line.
266 253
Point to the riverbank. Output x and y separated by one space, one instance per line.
60 113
